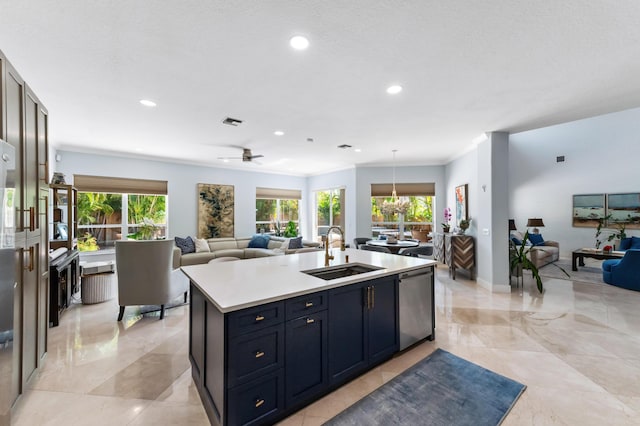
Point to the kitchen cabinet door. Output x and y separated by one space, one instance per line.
305 357
383 319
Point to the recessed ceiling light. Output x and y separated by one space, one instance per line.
278 133
299 42
139 149
147 102
225 160
357 150
394 90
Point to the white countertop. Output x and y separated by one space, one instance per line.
231 286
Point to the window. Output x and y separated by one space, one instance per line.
329 211
419 214
105 214
275 208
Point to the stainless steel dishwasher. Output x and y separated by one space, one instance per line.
417 315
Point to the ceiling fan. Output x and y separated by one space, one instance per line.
247 156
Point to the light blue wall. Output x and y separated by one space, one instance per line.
182 183
602 155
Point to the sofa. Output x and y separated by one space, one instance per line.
623 272
213 248
541 252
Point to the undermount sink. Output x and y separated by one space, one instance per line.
341 271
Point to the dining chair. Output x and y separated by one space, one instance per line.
375 248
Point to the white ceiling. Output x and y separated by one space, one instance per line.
467 67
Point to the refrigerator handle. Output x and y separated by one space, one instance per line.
30 266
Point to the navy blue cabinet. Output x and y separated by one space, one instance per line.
306 357
258 365
363 326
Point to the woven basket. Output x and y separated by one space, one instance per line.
98 288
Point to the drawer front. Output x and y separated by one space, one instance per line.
305 305
256 318
254 354
257 401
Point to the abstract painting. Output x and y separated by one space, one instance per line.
588 210
462 204
215 210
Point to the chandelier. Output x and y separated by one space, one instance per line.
396 205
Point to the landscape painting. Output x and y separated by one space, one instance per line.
624 208
588 210
215 210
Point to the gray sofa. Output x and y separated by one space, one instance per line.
540 255
237 247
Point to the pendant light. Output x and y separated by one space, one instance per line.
396 205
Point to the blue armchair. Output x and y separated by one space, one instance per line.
624 272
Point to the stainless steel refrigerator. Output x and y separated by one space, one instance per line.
7 277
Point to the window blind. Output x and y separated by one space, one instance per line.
86 183
278 194
403 189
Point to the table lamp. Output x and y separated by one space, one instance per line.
535 222
512 225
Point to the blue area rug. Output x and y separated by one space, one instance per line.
442 389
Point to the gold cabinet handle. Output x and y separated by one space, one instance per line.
310 320
259 402
373 296
32 218
308 304
259 318
259 354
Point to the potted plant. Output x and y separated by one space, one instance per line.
464 225
447 217
614 235
519 261
291 230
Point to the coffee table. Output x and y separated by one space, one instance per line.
580 254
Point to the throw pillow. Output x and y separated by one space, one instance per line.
295 243
635 243
625 243
186 245
516 241
202 246
536 239
285 244
259 241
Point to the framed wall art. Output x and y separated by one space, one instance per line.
215 210
624 209
462 203
588 210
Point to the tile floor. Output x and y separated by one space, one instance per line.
577 348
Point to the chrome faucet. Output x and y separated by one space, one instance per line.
327 256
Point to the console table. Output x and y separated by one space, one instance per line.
64 273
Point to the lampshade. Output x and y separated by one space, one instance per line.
533 221
512 225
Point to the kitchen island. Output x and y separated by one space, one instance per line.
267 338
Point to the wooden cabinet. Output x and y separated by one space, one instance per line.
277 357
64 232
457 251
24 125
363 326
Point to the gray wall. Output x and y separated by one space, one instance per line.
601 156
